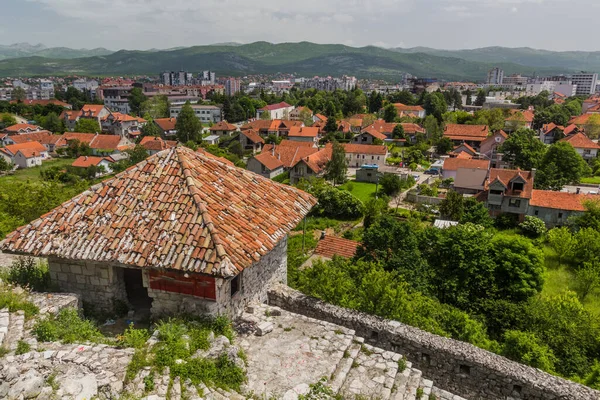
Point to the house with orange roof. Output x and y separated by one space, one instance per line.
281 127
473 135
555 208
223 128
586 147
266 164
262 126
101 145
43 103
519 119
452 165
550 133
409 111
311 166
51 142
319 118
276 111
19 129
287 154
369 135
166 126
179 233
88 111
296 113
329 247
251 140
488 149
508 191
156 144
304 134
104 164
25 155
463 148
124 125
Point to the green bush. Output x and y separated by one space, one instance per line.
26 272
22 347
506 221
533 227
135 338
66 327
527 348
17 301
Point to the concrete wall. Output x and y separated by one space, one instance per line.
456 366
552 217
416 198
256 167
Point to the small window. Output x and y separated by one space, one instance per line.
235 285
537 212
372 157
515 203
517 186
560 215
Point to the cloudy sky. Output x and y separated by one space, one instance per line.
448 24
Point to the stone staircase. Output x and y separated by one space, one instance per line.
354 369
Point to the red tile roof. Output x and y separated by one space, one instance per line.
96 141
382 126
464 155
466 132
272 107
411 128
22 128
505 176
91 110
317 161
404 108
548 128
580 120
157 143
166 124
453 164
82 137
88 161
331 246
223 126
570 129
295 143
268 160
580 141
259 124
177 210
371 149
43 137
33 146
467 147
303 131
559 200
289 155
521 115
375 133
43 102
252 135
321 117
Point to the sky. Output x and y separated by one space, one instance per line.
443 24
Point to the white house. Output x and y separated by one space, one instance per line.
583 145
365 154
276 111
25 155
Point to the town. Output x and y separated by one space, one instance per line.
188 235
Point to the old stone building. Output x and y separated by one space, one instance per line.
180 232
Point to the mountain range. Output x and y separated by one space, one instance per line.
304 58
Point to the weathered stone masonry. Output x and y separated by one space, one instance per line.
101 283
455 366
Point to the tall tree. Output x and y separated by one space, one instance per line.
375 102
561 165
562 242
435 104
155 107
188 126
18 94
136 99
87 125
150 129
390 113
469 99
480 99
53 123
331 125
452 207
337 167
523 149
398 132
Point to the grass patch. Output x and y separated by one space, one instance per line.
67 327
591 180
26 272
364 191
22 347
3 351
33 174
17 301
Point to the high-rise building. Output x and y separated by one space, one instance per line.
208 78
586 83
232 86
495 76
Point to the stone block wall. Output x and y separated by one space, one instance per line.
97 283
458 367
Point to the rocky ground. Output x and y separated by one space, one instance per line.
287 355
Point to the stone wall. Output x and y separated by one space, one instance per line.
455 366
97 283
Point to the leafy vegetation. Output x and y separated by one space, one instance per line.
68 327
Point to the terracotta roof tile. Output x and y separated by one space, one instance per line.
290 155
580 141
411 128
466 132
88 161
277 106
332 245
178 209
82 137
303 131
382 127
559 200
570 129
404 108
157 143
295 143
33 146
259 124
321 117
371 149
453 164
268 160
507 175
166 124
252 135
375 133
23 128
30 153
43 137
223 126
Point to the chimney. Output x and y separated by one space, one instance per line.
533 171
578 191
322 235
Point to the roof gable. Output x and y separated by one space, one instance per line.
178 209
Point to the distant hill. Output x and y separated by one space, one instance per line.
569 60
18 50
303 58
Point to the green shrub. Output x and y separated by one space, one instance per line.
17 301
135 338
22 347
506 221
26 272
528 349
66 327
533 227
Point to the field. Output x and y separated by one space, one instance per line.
592 180
364 191
33 174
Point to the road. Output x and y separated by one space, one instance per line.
583 189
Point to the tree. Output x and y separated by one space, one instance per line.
375 102
469 99
515 122
398 132
374 209
265 116
444 146
527 348
432 127
523 149
533 227
331 125
587 279
390 113
188 126
53 123
390 184
561 165
592 126
452 207
590 218
337 167
480 99
8 120
136 99
155 107
561 240
435 104
137 154
475 212
19 94
306 116
87 125
150 129
5 165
